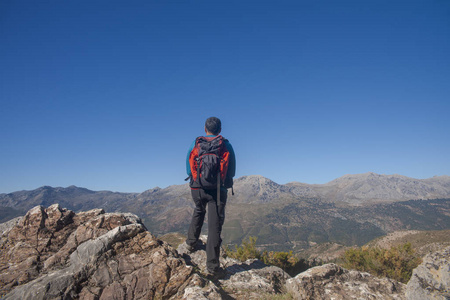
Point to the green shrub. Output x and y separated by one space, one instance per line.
247 250
280 296
396 263
287 261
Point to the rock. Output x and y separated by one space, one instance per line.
431 279
199 290
331 281
249 279
252 278
7 226
53 253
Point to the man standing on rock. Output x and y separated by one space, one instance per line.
211 166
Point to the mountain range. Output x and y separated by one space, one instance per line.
350 210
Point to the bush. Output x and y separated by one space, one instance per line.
287 261
247 250
396 263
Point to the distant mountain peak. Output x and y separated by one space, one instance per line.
252 177
255 178
46 187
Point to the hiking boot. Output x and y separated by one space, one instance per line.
220 273
190 248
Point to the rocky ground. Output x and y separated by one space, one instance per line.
251 279
54 253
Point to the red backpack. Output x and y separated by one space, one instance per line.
208 159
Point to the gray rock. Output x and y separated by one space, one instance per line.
331 281
252 277
431 279
62 282
90 255
7 226
198 289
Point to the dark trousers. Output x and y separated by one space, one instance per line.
216 217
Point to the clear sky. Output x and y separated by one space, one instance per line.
109 95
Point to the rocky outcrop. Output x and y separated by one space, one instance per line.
331 281
431 279
54 253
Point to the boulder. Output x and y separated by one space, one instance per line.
331 281
431 279
53 253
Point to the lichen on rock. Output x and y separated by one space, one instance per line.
431 279
55 253
331 281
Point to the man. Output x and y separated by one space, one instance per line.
207 197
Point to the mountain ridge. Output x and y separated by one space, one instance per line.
350 189
282 216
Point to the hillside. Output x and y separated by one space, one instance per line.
423 242
300 224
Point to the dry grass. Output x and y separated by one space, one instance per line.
423 242
173 239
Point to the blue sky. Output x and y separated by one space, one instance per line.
109 95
